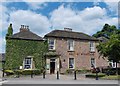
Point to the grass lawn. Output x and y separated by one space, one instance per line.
111 77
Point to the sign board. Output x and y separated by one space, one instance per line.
20 67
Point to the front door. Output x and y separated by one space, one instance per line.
52 66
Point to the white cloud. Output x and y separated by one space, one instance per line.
35 5
88 20
3 26
37 22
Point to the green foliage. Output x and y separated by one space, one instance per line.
93 75
111 77
9 72
107 31
17 50
10 31
111 49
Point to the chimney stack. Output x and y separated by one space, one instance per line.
67 29
24 28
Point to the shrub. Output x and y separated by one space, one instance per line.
110 71
93 75
29 72
18 72
9 72
37 72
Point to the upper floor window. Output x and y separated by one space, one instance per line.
71 45
92 46
92 62
51 44
27 63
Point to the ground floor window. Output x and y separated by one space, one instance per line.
71 63
112 64
27 63
92 62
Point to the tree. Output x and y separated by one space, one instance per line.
107 31
10 30
111 49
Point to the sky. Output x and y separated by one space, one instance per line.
43 16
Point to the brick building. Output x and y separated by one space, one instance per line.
72 50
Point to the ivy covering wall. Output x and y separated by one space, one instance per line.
17 50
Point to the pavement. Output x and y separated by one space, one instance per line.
52 79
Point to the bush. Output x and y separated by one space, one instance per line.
94 75
37 72
9 72
29 72
110 71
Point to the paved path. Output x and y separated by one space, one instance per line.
51 79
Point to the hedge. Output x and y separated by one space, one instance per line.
23 72
111 71
94 75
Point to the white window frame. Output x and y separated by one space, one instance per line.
51 45
73 63
113 64
27 64
70 48
92 46
91 62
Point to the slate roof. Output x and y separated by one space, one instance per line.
26 35
70 34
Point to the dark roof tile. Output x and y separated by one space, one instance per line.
26 35
70 34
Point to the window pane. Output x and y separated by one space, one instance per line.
70 45
27 63
92 62
92 48
51 44
71 62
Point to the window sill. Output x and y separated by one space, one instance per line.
92 51
52 50
71 51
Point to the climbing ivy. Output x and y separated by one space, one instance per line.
17 50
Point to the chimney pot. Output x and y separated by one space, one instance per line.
24 28
67 29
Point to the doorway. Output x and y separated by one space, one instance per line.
52 66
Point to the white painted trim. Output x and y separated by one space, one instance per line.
54 43
73 65
68 44
30 65
92 49
94 62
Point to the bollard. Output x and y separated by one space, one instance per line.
3 74
96 76
18 75
44 75
31 74
57 75
75 78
